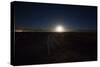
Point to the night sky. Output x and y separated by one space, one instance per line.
76 18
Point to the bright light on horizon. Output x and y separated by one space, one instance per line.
59 29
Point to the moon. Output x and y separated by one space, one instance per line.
59 28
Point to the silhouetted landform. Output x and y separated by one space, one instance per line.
30 29
53 47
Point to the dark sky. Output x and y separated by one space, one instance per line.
46 16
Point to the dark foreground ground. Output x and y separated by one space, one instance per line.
44 48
